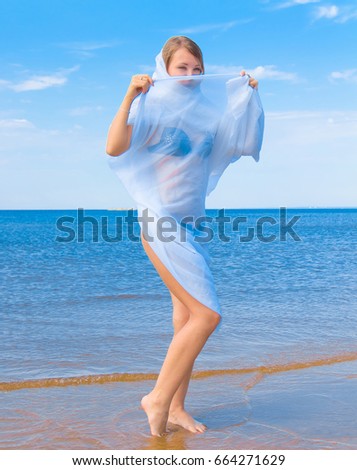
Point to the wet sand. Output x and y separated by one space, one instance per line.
311 407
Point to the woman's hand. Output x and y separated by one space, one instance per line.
139 84
252 81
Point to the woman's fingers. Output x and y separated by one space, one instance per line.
142 78
252 81
142 82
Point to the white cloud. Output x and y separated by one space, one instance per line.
20 137
223 69
204 28
339 14
326 12
294 3
41 82
304 2
292 115
270 72
86 49
15 124
85 110
318 127
351 14
266 72
346 75
4 84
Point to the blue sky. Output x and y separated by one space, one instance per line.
65 66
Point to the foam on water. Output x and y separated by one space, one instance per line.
139 377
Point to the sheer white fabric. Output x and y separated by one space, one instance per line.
186 131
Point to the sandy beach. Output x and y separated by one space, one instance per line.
310 408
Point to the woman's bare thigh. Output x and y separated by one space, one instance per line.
178 293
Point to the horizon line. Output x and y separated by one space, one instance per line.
207 208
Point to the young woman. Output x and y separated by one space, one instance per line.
196 312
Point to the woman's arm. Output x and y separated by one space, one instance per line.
119 134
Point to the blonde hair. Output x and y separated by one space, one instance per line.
175 43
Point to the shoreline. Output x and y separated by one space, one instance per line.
297 409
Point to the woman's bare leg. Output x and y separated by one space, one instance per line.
177 413
182 352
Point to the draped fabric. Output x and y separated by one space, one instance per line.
186 132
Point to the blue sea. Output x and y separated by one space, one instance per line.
85 320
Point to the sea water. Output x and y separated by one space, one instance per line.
82 304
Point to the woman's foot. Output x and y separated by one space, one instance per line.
157 417
186 421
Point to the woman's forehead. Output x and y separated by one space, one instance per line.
184 56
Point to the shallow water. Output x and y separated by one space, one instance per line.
307 409
81 320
